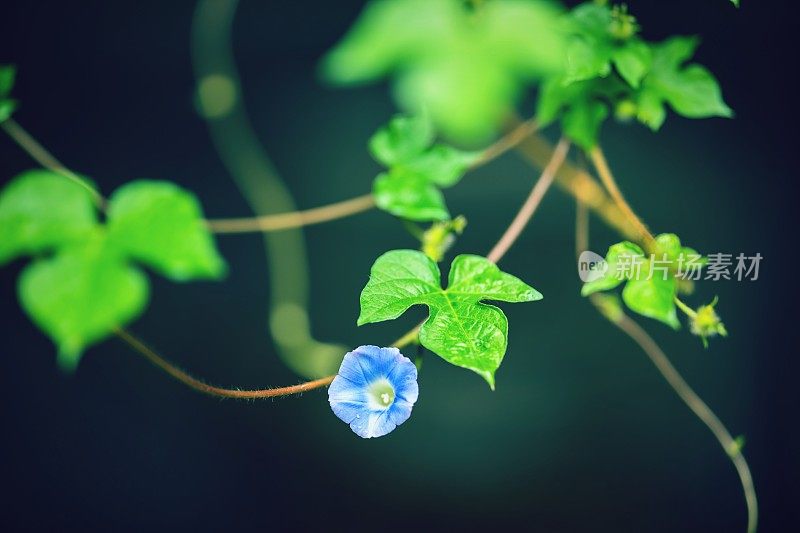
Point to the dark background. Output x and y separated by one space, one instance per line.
582 433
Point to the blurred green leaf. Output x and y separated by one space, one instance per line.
653 297
460 329
632 61
466 68
410 189
41 210
86 285
79 296
651 283
7 105
402 139
690 90
161 225
618 254
409 195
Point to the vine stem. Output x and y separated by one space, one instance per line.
674 379
599 161
265 223
40 154
531 203
211 390
295 219
511 234
355 205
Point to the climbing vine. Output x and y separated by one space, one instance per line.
459 72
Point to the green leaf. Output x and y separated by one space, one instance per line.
7 105
40 211
466 68
409 195
582 122
459 329
653 297
7 75
691 90
619 259
632 61
79 296
442 164
416 169
403 138
162 225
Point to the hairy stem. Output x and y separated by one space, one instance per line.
40 154
675 380
211 390
509 237
603 170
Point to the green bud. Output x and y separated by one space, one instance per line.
706 323
625 110
438 239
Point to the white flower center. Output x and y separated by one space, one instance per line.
381 394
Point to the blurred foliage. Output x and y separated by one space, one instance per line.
7 105
466 67
82 283
417 169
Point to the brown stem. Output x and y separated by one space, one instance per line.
699 408
47 160
354 205
675 380
295 219
211 390
531 203
603 170
579 184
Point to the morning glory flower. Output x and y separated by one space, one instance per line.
374 390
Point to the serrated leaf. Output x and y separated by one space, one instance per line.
459 329
466 68
653 297
161 225
81 294
40 211
409 195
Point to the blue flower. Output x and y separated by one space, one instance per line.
374 390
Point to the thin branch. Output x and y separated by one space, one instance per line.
221 392
603 170
295 219
211 390
531 203
40 154
675 380
698 406
508 141
356 205
579 184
